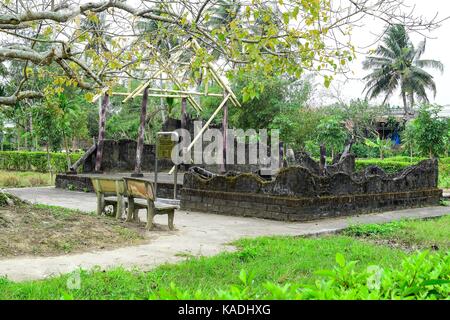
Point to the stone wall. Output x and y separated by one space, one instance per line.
297 194
120 156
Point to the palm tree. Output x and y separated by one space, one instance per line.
397 64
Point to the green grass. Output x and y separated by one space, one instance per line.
19 179
278 259
423 234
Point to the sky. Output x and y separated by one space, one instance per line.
438 48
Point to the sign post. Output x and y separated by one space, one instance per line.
165 142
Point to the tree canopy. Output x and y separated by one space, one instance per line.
93 45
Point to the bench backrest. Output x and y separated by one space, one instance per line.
108 186
138 188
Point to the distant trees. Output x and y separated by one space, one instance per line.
397 64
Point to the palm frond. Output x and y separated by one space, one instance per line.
434 64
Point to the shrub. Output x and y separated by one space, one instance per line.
387 165
34 161
422 276
37 181
11 181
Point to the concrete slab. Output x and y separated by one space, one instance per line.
197 234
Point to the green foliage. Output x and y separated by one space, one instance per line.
280 260
397 64
422 276
34 161
382 145
387 165
409 234
271 108
332 133
372 229
430 131
395 164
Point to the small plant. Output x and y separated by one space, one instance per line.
85 189
366 230
422 276
70 187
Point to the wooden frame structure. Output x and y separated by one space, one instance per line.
173 70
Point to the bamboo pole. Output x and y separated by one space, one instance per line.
98 95
156 95
168 71
186 92
217 77
205 126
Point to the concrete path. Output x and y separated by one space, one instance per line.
198 234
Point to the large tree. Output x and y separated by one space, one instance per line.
397 64
292 36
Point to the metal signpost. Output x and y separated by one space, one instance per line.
165 142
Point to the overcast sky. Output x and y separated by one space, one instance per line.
438 47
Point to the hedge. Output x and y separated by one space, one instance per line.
35 161
392 165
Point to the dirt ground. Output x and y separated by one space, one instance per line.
49 231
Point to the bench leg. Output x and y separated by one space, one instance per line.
171 216
100 203
114 210
130 209
136 214
120 207
150 217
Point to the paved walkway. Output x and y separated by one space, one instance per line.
198 234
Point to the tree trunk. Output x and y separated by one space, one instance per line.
49 163
140 141
101 132
66 146
405 103
411 102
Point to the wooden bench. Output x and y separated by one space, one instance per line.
109 191
143 189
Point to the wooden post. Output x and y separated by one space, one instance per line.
183 113
101 132
223 166
323 159
140 141
205 126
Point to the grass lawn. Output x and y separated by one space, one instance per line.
410 235
18 179
280 260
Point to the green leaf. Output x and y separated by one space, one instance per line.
340 259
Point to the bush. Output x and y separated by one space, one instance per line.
387 165
395 164
34 161
37 181
423 276
11 181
